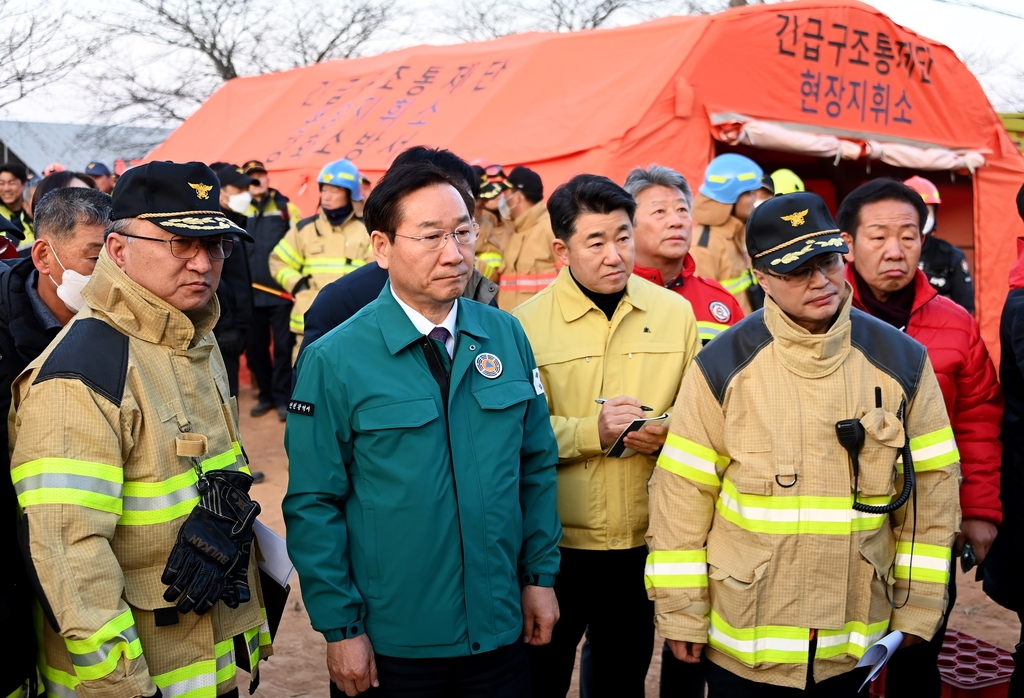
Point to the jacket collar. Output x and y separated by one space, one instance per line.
530 217
137 312
575 305
805 354
324 226
398 330
923 290
654 275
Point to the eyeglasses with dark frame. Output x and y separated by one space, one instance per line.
217 247
436 239
830 265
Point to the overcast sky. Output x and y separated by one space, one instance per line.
989 42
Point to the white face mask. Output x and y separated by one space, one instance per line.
70 287
503 209
239 203
929 225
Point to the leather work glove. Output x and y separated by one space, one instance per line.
213 543
300 286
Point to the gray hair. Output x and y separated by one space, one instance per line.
121 225
62 210
657 176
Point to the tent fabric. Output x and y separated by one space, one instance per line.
606 101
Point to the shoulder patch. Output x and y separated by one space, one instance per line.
705 236
93 352
300 407
889 350
307 220
734 350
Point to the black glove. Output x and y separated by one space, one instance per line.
302 285
212 544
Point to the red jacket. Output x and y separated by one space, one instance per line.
716 309
970 390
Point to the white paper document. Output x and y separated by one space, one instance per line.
273 557
878 655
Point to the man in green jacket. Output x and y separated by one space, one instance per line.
421 505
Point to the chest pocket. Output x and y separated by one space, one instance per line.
316 250
883 440
402 414
503 395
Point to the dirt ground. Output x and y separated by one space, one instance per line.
298 667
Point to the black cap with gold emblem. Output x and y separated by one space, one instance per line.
786 231
181 198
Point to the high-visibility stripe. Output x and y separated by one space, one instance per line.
796 514
709 330
676 569
289 255
526 283
198 680
932 451
331 265
58 684
147 503
920 561
225 659
691 460
738 284
282 277
264 628
854 639
297 323
747 176
68 481
767 643
99 655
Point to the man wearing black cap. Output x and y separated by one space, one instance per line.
529 261
128 466
269 216
101 175
783 540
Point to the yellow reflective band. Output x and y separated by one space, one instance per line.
68 481
853 639
738 284
933 451
225 653
229 460
289 255
717 179
284 275
197 680
297 323
796 514
930 563
264 629
691 460
765 643
746 176
99 655
709 330
58 683
676 569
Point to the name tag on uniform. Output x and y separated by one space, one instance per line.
300 407
538 387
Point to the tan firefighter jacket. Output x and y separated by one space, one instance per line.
529 263
720 249
643 352
320 252
491 241
755 548
103 428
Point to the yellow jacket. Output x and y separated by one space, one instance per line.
323 253
104 426
755 546
643 352
490 244
25 221
529 261
720 248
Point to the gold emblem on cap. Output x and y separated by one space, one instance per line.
202 190
797 219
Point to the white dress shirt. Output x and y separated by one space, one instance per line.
424 326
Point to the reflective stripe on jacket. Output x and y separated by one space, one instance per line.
529 261
642 352
100 426
754 542
323 253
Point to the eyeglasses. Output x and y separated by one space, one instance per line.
436 239
829 265
188 248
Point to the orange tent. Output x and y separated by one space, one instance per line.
832 89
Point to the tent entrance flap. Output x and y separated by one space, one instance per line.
736 129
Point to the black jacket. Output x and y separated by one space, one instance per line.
268 222
1004 566
22 339
341 299
235 296
946 267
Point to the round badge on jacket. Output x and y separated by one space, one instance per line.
488 365
720 311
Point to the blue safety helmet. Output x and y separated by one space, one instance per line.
342 173
730 175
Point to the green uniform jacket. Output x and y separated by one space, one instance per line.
413 520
